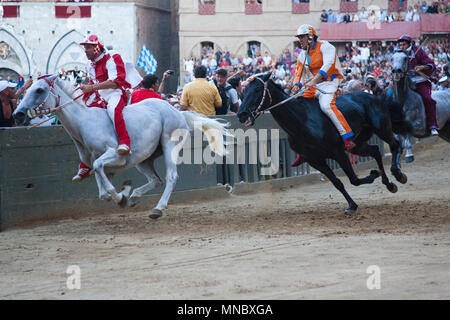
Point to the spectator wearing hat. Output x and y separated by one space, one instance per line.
229 95
8 100
443 84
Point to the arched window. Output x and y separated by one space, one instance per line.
206 48
253 48
5 73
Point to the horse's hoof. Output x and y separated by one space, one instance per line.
106 197
392 188
127 183
132 202
403 179
228 188
123 202
350 211
409 159
375 173
155 213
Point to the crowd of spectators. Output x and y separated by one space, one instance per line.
366 63
411 14
365 66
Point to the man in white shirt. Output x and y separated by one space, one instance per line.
247 60
340 17
365 53
409 14
267 59
363 15
189 65
382 15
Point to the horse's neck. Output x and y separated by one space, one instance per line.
70 115
401 90
283 114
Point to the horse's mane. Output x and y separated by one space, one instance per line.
68 89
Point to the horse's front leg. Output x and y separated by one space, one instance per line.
102 193
109 158
409 156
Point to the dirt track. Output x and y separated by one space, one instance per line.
294 244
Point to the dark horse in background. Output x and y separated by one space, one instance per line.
313 135
412 103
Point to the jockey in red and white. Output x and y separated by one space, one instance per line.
109 77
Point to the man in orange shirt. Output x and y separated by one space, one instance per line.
318 70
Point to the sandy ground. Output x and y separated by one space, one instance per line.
292 244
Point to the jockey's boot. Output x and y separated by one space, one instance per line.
434 132
82 173
349 144
123 150
298 161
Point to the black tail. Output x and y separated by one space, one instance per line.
399 124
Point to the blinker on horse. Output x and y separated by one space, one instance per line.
312 134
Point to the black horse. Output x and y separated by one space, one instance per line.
313 135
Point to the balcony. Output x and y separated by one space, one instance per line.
72 11
253 7
429 23
300 7
10 11
349 6
207 7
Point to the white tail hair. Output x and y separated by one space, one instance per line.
214 129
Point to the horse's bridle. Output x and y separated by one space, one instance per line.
40 110
255 113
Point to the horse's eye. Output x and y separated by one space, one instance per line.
40 90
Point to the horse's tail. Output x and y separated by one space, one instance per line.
398 120
214 129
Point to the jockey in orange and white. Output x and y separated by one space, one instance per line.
109 77
318 70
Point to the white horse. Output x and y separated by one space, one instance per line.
154 126
413 105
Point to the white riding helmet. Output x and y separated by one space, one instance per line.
306 29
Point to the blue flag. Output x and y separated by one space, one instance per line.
146 61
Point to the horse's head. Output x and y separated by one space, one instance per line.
399 64
38 96
256 98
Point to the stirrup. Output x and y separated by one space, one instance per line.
123 150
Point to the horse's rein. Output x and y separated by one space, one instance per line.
258 110
41 111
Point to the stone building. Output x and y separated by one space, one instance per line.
42 37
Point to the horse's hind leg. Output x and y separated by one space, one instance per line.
109 158
374 152
171 179
325 169
396 149
146 168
